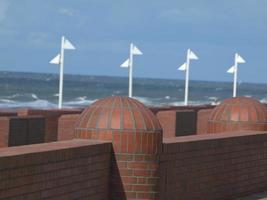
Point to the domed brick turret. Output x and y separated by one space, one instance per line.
136 135
239 113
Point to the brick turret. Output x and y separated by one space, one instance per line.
137 141
237 114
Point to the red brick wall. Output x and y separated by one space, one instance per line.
135 163
167 121
76 169
215 166
192 107
4 131
155 110
51 119
66 126
15 131
202 121
177 122
6 113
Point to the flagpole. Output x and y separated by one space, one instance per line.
187 78
61 74
131 71
235 76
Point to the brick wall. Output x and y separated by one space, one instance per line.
196 108
207 167
134 164
202 121
177 122
155 110
66 126
68 170
51 119
192 107
15 131
6 113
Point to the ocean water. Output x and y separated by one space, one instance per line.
41 90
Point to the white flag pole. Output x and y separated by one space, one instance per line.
61 74
235 76
131 71
187 78
129 64
59 60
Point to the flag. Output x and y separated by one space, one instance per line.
183 67
136 51
68 45
55 60
239 59
192 56
231 70
125 64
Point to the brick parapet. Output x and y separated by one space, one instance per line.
177 122
21 130
74 169
51 119
216 166
66 126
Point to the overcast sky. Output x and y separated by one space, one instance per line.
101 30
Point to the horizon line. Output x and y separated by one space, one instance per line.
137 77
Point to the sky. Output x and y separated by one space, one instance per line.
102 30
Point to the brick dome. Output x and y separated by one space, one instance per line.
118 113
239 113
136 136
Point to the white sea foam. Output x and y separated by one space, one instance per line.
218 89
195 103
34 96
79 101
12 96
167 97
30 104
7 101
17 95
117 92
264 100
177 103
145 100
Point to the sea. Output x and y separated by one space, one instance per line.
39 90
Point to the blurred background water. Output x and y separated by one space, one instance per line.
41 90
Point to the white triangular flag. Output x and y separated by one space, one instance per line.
55 60
125 64
231 70
183 67
239 59
192 56
136 51
68 45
